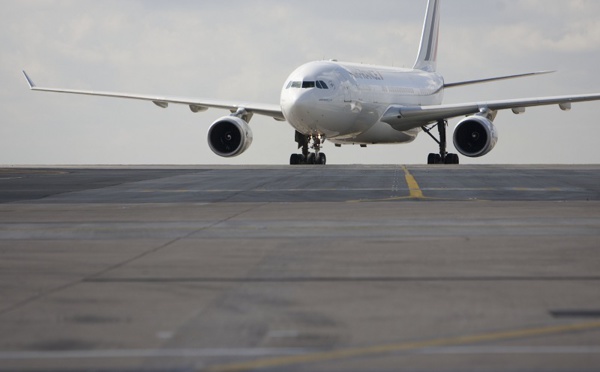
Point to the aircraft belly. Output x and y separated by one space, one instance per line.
356 119
379 133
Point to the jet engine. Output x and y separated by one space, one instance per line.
475 136
229 136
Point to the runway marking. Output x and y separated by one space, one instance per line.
270 190
470 350
402 347
339 279
349 189
261 352
415 192
413 186
151 353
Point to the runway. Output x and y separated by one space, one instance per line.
297 184
278 268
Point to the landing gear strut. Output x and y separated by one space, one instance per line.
443 157
306 157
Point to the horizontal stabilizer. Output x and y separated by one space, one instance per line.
487 80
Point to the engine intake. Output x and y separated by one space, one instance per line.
475 136
229 136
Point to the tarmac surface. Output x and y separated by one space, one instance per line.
304 268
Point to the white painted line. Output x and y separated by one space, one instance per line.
152 353
271 352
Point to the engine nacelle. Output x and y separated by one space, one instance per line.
229 136
475 136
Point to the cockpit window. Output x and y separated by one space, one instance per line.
321 85
307 84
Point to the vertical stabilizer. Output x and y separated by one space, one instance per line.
427 58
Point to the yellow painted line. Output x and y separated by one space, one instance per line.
382 349
413 186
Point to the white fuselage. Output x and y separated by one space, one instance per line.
343 102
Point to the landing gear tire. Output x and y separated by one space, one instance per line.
296 159
311 159
434 159
321 159
452 159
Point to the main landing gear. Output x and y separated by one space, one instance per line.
307 157
443 157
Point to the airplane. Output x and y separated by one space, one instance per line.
351 103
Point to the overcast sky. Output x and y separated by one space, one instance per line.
246 49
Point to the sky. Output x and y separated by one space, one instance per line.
246 49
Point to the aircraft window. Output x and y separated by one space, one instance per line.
307 84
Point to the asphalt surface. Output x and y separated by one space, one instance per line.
334 268
297 184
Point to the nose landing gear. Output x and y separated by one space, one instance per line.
306 157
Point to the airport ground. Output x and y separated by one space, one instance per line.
279 268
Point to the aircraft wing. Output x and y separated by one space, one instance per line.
196 105
409 117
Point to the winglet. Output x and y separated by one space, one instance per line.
29 81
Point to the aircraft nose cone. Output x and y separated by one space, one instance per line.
299 107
